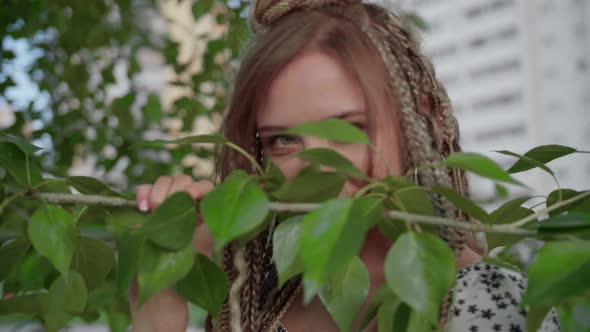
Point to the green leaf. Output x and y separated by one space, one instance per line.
29 304
420 269
159 268
128 247
333 159
173 223
234 208
320 231
67 297
121 108
480 165
332 129
526 160
92 216
380 296
582 205
462 203
54 186
501 190
56 319
93 260
413 200
91 186
199 139
575 317
364 213
202 7
285 243
569 223
542 154
535 317
560 270
26 147
11 253
118 321
21 166
68 294
311 185
123 220
346 294
393 316
206 285
509 212
152 109
52 231
273 177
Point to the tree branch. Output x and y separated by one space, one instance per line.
108 201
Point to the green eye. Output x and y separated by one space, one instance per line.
282 140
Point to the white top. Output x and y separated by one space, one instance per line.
487 297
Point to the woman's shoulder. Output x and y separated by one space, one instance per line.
487 297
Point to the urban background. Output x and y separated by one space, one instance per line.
85 81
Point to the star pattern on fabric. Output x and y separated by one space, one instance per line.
487 298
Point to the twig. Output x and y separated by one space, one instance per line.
524 221
55 198
302 207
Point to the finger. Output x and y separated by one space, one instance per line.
199 189
160 191
142 195
179 183
203 241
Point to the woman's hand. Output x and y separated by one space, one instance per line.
167 310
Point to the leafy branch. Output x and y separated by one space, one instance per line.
512 228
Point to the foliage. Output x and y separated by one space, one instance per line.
63 255
321 242
93 65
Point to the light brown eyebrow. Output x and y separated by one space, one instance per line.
341 116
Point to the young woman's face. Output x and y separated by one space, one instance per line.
312 87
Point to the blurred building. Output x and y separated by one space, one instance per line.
518 73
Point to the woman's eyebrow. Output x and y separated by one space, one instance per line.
343 115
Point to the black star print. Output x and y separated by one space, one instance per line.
515 328
461 301
487 314
472 308
502 305
473 328
497 327
457 312
496 297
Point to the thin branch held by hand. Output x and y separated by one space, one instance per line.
106 201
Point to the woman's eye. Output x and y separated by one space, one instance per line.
282 140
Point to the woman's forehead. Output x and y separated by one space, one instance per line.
312 87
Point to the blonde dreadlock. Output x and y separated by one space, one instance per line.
430 131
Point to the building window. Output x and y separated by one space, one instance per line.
443 51
496 68
500 100
499 35
487 8
501 132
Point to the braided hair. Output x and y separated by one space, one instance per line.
429 129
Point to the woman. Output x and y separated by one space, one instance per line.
310 60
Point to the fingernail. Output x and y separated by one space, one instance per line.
143 206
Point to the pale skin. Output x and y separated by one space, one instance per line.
312 87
